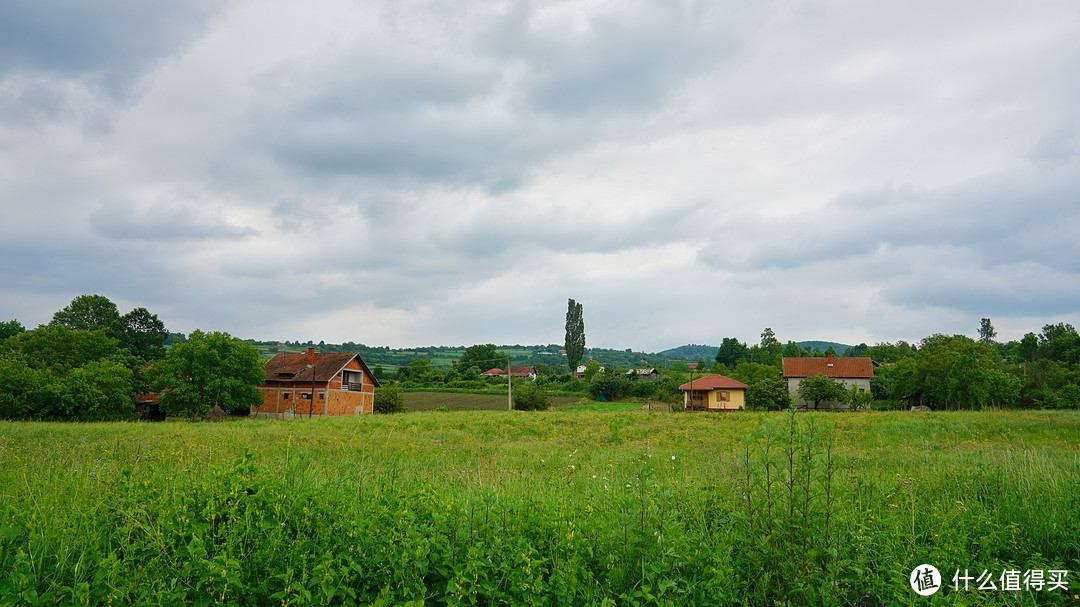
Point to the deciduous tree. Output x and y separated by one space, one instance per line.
986 331
10 329
482 357
770 351
90 313
144 334
768 394
732 352
209 369
957 372
819 389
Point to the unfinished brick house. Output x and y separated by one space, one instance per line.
308 384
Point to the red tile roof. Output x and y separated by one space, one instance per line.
829 367
293 366
714 382
515 371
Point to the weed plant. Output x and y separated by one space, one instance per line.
552 508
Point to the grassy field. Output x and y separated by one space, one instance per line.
451 401
549 508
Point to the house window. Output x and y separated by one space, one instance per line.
322 396
722 395
284 395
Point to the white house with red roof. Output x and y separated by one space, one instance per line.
852 372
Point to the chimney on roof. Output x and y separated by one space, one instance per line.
310 356
830 363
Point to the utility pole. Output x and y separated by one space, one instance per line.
509 384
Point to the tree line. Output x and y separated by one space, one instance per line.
89 362
949 372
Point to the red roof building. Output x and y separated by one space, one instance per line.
529 372
315 383
852 372
714 393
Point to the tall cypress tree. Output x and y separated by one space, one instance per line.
575 334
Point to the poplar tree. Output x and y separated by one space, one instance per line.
575 334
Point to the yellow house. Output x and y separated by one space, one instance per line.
714 393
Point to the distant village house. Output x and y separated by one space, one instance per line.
714 393
851 372
529 372
303 384
648 374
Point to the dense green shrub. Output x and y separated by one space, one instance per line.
389 399
768 394
609 386
530 396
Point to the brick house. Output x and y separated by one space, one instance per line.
300 384
855 372
714 393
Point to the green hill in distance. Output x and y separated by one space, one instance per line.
823 346
443 357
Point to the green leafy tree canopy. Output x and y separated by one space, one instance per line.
820 389
768 394
89 313
10 328
209 369
732 352
482 357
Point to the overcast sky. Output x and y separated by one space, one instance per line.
410 173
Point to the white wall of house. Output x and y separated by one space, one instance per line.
862 383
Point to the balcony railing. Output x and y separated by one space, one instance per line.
352 386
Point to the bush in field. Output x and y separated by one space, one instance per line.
389 399
768 394
529 396
667 388
642 388
611 387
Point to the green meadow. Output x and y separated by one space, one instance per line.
546 508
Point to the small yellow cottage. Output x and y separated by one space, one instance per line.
714 393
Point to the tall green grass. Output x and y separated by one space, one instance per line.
553 508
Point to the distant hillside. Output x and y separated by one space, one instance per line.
823 346
442 357
691 352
